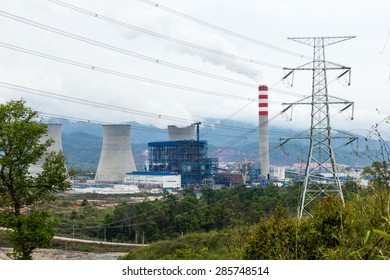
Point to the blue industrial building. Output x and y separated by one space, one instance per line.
188 158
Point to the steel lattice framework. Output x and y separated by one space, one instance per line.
321 158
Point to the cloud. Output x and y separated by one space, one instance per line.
190 33
369 79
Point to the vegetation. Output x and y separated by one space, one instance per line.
213 245
214 210
231 223
357 231
261 223
22 195
241 223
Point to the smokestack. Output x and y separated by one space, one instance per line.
116 158
181 133
54 131
263 132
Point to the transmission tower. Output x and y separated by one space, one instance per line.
321 158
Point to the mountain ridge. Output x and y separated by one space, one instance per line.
232 142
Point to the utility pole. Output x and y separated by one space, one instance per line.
321 159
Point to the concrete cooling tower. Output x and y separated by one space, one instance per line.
54 131
116 158
181 133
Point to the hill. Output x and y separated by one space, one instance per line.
232 141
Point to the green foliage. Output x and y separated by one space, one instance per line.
248 223
273 238
28 232
85 202
195 246
380 171
332 232
21 193
213 210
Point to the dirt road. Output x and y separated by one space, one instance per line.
54 254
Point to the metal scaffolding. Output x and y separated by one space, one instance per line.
185 157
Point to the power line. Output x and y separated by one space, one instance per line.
107 106
135 127
43 93
161 36
88 102
134 77
121 74
120 23
120 50
246 134
223 30
126 52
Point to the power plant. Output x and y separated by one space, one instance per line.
54 131
116 158
184 156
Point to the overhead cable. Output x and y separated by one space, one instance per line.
107 106
124 75
133 54
120 50
223 30
168 38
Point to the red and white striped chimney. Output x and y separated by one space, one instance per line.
263 132
263 100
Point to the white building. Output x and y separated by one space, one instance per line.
165 180
278 173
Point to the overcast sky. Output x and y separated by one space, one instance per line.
108 69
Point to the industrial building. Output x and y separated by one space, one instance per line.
116 157
164 180
188 158
230 179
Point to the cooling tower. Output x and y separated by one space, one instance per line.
263 132
181 133
54 132
116 158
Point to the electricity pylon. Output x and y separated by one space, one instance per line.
321 174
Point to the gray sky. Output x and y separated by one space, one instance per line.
268 21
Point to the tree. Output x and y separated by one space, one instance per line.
22 195
380 168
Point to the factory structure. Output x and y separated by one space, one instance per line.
185 156
180 162
154 180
